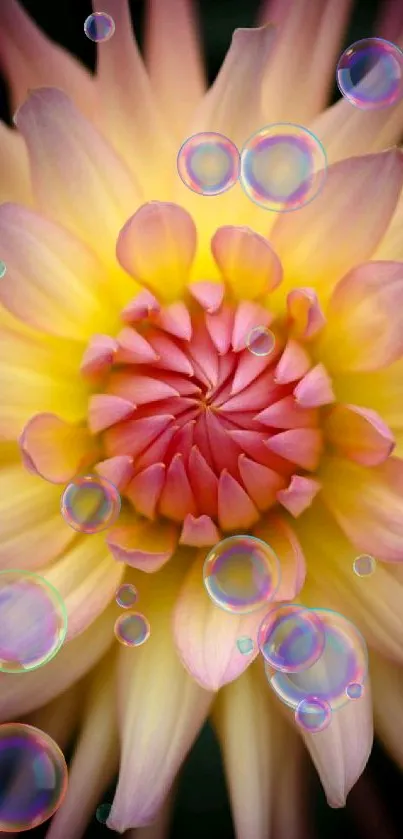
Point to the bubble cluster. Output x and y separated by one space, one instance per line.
241 574
90 504
291 638
283 167
3 269
364 565
245 645
103 811
33 777
99 27
132 629
354 691
126 596
260 341
33 621
343 662
370 73
208 163
313 714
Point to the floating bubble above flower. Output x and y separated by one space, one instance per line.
344 661
354 691
33 621
364 565
283 167
90 504
208 163
126 596
291 638
260 341
102 813
245 645
370 73
3 269
33 777
132 629
313 714
241 574
99 27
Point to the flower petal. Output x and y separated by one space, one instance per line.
315 388
105 410
78 179
302 446
359 434
286 413
209 295
294 363
56 450
154 746
321 242
261 483
157 243
305 313
14 169
118 470
177 500
246 261
206 636
298 496
235 508
276 531
145 489
387 696
144 545
199 532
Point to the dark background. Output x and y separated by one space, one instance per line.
202 807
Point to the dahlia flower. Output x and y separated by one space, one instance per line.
122 336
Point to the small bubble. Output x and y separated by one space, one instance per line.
103 811
99 27
260 341
126 596
90 504
132 629
208 163
370 73
241 574
354 690
3 269
313 714
364 565
245 645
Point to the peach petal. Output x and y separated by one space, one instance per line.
364 331
235 508
284 542
248 369
98 356
157 450
255 396
302 446
315 388
204 483
118 470
133 436
248 315
298 496
157 243
246 261
145 545
141 307
254 445
145 489
176 499
208 295
199 532
359 434
204 355
293 364
14 169
286 413
133 348
205 636
105 410
176 320
140 389
56 449
170 356
305 313
262 484
220 326
224 450
326 241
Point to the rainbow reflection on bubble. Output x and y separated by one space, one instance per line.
208 163
364 565
33 777
245 645
370 73
283 167
313 714
33 621
99 27
241 574
126 596
90 504
132 629
344 661
260 341
291 637
354 691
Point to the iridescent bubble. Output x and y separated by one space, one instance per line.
241 574
344 661
364 565
283 167
103 811
313 714
354 691
33 777
126 595
260 341
90 504
33 621
132 629
99 27
245 645
3 269
208 163
370 73
291 638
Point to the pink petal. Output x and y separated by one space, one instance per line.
224 451
235 508
285 544
118 470
248 315
133 348
158 242
146 545
98 356
177 500
157 450
293 364
204 483
170 356
325 240
315 389
255 396
298 496
363 309
286 413
305 313
302 446
359 434
140 389
175 319
248 369
105 410
133 436
246 261
206 636
141 307
145 489
199 532
204 355
208 295
219 326
262 484
255 446
182 441
56 449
